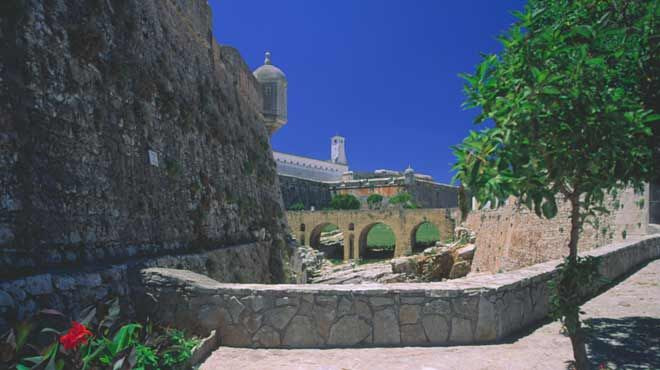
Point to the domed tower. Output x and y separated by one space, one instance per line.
273 89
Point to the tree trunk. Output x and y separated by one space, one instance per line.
573 323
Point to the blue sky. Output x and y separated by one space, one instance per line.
382 73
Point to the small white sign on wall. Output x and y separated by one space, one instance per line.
153 158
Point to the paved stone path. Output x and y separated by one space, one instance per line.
625 334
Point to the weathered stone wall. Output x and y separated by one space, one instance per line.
512 236
127 134
125 130
428 194
654 203
310 193
478 309
72 290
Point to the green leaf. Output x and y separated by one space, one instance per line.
584 31
34 359
651 118
551 90
124 337
596 62
549 208
23 330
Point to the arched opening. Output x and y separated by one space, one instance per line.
423 236
377 241
329 239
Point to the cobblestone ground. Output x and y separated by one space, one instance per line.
624 334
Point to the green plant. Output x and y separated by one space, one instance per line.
570 100
298 206
101 339
405 199
374 201
344 201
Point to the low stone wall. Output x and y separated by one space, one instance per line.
70 290
478 309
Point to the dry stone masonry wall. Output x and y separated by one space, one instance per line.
477 309
512 236
127 133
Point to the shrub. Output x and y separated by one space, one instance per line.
298 206
405 199
344 201
374 201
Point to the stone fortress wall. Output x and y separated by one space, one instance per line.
317 194
127 133
512 236
308 192
472 310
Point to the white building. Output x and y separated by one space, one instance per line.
274 90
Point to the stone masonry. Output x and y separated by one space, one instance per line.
512 236
128 138
478 309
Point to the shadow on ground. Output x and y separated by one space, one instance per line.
625 343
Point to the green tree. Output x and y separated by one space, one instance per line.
405 199
344 201
374 201
572 122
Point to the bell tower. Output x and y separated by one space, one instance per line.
338 150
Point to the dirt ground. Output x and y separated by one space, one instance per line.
624 334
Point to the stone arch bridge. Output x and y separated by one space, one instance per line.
355 225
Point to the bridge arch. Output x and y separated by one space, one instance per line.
381 252
315 240
356 224
424 235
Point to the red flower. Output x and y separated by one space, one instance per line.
77 335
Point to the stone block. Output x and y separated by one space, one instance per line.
409 314
404 265
461 331
210 318
267 337
386 327
235 336
459 269
362 309
348 331
466 306
436 329
39 284
279 317
235 307
324 316
344 307
466 253
301 332
437 306
413 335
377 302
64 282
